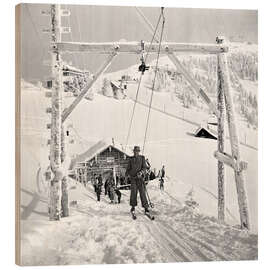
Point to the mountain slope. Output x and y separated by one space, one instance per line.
93 231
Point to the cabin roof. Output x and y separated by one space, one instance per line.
97 149
116 84
209 131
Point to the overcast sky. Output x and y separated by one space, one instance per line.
103 23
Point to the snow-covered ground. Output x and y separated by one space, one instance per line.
103 233
99 232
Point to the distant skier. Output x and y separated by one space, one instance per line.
136 170
152 175
118 194
162 176
161 184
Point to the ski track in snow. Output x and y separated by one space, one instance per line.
175 235
173 245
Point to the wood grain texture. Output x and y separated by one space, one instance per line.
135 47
56 120
220 146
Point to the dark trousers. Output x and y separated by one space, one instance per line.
98 196
119 194
137 184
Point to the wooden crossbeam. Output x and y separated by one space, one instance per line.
135 47
228 160
88 86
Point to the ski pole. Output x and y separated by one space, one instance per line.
148 197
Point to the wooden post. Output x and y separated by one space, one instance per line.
64 184
56 120
64 180
221 138
235 151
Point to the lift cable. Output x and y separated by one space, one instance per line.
139 84
154 80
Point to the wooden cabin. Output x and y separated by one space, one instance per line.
205 132
102 158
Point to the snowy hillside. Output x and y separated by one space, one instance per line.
103 233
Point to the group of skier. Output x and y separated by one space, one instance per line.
110 188
139 173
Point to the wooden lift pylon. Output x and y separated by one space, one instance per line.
224 100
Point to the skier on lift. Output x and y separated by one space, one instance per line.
136 170
143 67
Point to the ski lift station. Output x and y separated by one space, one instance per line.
102 158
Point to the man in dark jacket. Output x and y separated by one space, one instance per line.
106 186
99 187
136 169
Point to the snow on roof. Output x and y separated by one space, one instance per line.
98 148
71 68
116 84
210 131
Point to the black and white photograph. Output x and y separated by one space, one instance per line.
136 134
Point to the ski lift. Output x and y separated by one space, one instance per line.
143 67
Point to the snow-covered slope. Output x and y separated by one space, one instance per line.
99 232
189 163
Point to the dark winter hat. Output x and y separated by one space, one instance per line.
136 148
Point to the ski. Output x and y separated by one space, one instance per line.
151 217
133 215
